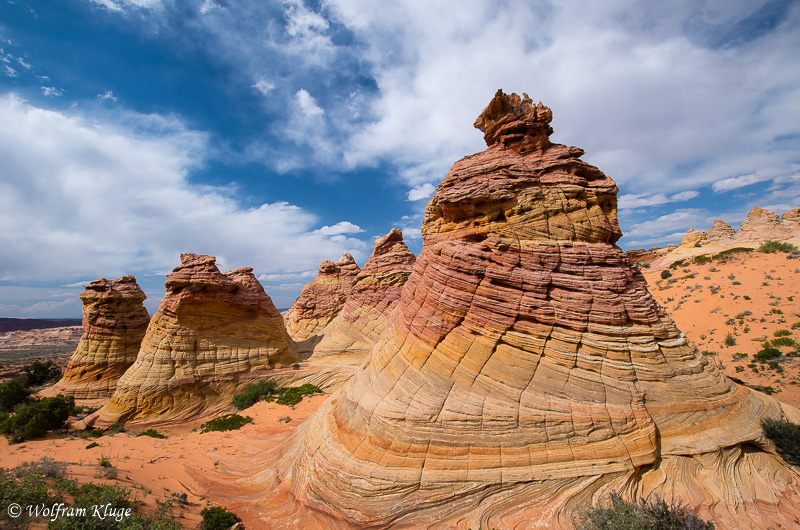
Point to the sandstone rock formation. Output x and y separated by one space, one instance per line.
322 299
791 220
114 323
374 294
527 371
693 236
720 231
212 333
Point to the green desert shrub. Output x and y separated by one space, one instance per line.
786 437
45 482
784 341
217 518
152 433
12 394
768 390
770 247
92 445
39 373
654 515
34 420
253 393
293 395
665 274
730 340
782 333
702 260
767 353
228 422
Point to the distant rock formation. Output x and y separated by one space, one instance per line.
720 231
527 372
322 299
374 294
693 236
212 332
114 323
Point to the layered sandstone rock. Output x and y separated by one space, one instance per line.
114 323
693 236
374 294
212 333
791 219
527 372
322 299
720 231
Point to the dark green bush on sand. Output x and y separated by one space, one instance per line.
654 515
293 396
253 393
770 247
228 422
217 518
34 420
152 433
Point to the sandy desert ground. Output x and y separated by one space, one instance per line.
748 296
185 462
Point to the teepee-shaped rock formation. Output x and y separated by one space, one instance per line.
322 299
374 294
528 372
212 332
114 323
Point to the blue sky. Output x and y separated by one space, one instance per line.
278 134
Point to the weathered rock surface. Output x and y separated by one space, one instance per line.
374 293
720 231
114 324
212 333
693 236
322 299
528 372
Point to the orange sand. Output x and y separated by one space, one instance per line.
154 469
772 281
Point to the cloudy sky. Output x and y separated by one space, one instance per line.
276 134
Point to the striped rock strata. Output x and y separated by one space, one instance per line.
374 294
212 333
527 372
114 323
321 300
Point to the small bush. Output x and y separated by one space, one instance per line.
739 369
784 341
737 356
665 274
116 428
776 311
770 247
228 422
708 352
656 515
107 469
217 518
768 390
702 260
786 437
767 353
730 340
91 433
253 393
782 333
92 445
34 420
152 433
293 396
